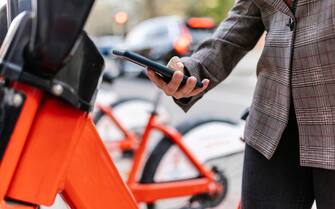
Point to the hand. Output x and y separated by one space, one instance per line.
173 88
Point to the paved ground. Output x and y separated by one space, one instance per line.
228 100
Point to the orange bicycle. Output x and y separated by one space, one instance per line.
182 154
49 144
122 122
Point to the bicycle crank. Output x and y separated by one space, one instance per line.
204 201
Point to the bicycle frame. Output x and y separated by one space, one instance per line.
129 142
149 193
156 191
55 149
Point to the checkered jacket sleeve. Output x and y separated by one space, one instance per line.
216 57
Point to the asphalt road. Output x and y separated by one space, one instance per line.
228 100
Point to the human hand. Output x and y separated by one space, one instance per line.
174 88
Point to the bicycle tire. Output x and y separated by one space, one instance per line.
119 102
161 149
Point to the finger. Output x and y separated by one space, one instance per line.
174 84
173 62
176 64
187 88
156 79
197 91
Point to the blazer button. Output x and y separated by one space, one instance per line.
291 24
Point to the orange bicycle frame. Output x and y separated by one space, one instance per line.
129 142
55 149
155 191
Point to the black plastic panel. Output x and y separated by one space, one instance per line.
3 23
9 113
79 78
55 52
23 5
12 50
56 30
83 72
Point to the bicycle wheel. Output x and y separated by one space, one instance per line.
132 113
214 142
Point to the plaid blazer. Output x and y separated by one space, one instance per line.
298 62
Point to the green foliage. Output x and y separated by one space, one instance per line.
217 9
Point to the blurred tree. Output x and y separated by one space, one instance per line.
217 9
100 21
150 8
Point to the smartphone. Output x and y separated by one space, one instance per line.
160 69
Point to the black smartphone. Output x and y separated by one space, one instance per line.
160 69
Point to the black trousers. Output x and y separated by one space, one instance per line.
281 183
